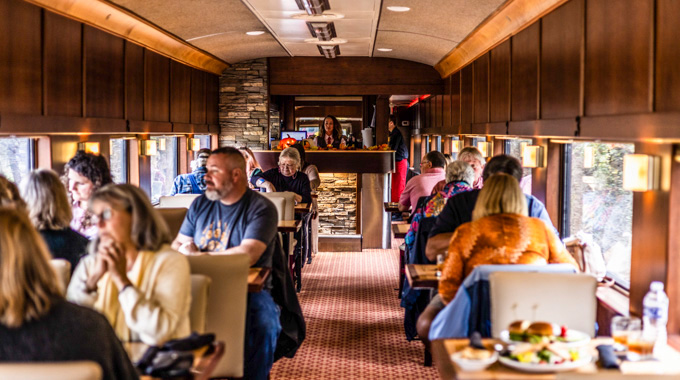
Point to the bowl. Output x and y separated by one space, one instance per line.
473 365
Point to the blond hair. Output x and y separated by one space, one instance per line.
293 154
501 194
47 200
149 230
9 194
28 284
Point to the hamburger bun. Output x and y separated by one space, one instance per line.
518 327
541 329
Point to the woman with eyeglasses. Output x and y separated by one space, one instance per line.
287 177
132 276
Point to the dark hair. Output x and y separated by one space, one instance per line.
203 150
91 166
336 127
234 155
437 159
393 118
301 150
503 163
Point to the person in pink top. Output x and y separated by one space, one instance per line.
432 171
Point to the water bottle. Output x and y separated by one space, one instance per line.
655 314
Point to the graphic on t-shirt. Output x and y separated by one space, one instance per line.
215 237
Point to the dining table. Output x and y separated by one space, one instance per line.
391 206
303 208
422 276
666 362
205 358
400 230
257 278
289 225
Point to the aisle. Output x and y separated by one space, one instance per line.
354 322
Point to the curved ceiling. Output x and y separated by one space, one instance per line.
426 33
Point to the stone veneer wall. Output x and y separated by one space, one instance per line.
244 105
337 203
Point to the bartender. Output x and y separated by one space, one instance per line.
396 143
331 135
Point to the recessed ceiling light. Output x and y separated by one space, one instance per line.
384 49
398 9
255 33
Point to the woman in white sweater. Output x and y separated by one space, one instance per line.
132 276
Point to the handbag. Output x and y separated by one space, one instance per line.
174 358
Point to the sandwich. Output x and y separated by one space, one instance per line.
540 331
517 330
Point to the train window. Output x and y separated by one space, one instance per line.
163 167
515 148
205 140
438 143
16 157
455 147
598 205
426 142
118 160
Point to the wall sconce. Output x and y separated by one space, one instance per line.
532 156
456 146
161 144
485 148
588 157
148 147
89 147
194 144
640 172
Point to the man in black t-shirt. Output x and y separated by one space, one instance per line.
230 218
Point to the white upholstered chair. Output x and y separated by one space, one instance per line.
226 311
286 213
80 370
564 299
173 216
179 200
200 289
63 269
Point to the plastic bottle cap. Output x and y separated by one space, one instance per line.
656 286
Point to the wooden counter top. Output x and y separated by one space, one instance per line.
337 161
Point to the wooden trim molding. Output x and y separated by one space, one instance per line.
120 22
507 21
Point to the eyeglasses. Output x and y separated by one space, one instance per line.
424 163
287 166
105 216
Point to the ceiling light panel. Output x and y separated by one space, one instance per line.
329 51
324 31
358 24
313 7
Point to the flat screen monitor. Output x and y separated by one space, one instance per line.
297 135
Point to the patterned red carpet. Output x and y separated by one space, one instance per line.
354 322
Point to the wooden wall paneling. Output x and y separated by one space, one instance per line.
539 178
455 102
438 113
525 60
198 97
618 55
382 109
651 232
481 89
156 87
134 81
553 183
499 82
104 74
432 112
180 93
667 69
447 126
673 265
212 95
562 45
466 96
20 58
63 66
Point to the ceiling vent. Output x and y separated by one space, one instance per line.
324 31
329 51
313 7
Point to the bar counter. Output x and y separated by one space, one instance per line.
373 186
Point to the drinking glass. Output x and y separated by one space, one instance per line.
640 345
620 328
440 264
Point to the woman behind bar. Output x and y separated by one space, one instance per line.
330 134
50 212
287 177
84 174
132 276
36 323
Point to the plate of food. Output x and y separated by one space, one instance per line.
545 357
543 332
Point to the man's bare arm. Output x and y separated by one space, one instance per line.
403 208
254 248
437 244
181 239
